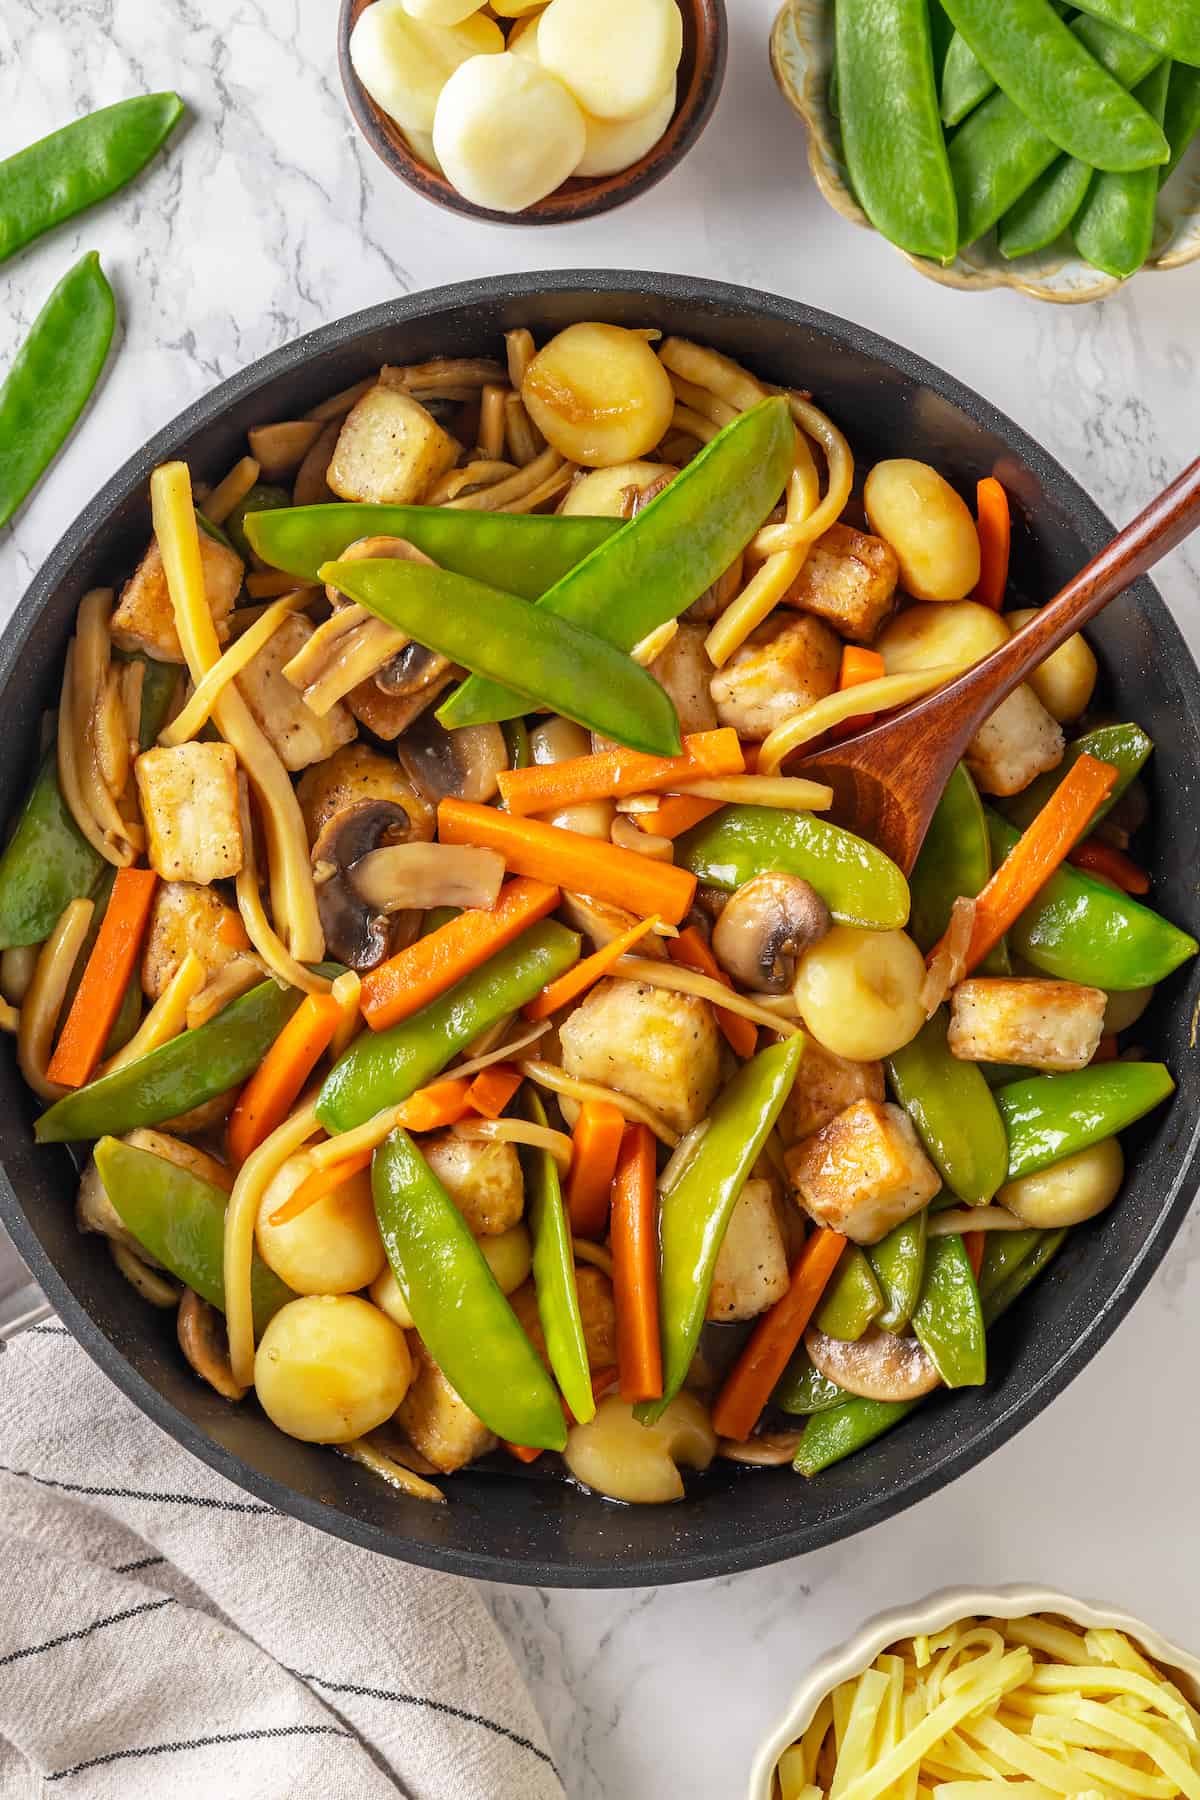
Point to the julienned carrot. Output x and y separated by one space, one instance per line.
108 973
1035 856
493 1088
1099 858
596 1144
410 980
691 952
858 665
586 865
587 973
264 1102
974 1243
441 1103
322 1181
544 787
676 813
748 1385
634 1240
994 526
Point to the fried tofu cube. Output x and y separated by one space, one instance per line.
849 578
483 1180
390 450
825 1085
1042 1024
435 1421
863 1173
1017 744
300 736
597 1311
752 1269
145 619
186 917
658 1047
784 666
189 798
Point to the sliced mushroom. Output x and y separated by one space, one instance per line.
464 764
407 667
410 670
769 1450
355 932
880 1366
766 927
201 1332
421 876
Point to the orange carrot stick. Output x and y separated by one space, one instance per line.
587 973
596 1145
1035 856
266 1098
675 814
584 864
634 1239
690 951
974 1243
858 665
107 975
322 1181
749 1383
441 1103
493 1088
410 980
1099 858
995 529
544 787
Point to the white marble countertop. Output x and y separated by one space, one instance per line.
269 217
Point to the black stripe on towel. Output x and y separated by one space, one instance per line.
118 1493
199 1743
71 1637
422 1700
140 1562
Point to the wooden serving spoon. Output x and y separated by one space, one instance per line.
888 779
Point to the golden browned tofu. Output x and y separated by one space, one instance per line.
784 666
390 450
435 1421
685 670
298 734
483 1180
189 801
596 1310
354 773
752 1270
186 917
145 619
864 1172
849 578
1017 744
825 1085
1053 1025
656 1046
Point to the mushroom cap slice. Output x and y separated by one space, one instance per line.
879 1366
201 1333
765 927
355 932
463 764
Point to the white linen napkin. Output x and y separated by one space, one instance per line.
164 1633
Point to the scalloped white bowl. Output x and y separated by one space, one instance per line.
934 1614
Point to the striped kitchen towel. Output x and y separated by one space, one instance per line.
164 1634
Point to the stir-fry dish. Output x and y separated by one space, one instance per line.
471 1023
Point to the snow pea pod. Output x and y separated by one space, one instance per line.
948 1322
46 863
1004 1252
554 1274
891 131
86 161
898 1261
839 1432
1061 89
802 1389
695 1212
1042 214
953 1110
1080 930
158 691
462 1317
654 566
187 1071
381 1068
998 153
51 378
1181 117
1114 228
1019 1278
523 553
858 883
852 1301
1125 746
554 662
965 81
265 498
1172 25
1049 1117
954 860
180 1219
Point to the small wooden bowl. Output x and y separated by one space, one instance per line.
701 72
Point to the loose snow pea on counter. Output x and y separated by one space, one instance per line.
1126 748
955 860
658 563
858 883
47 863
948 1322
953 1110
460 1313
898 1261
852 1300
554 1275
523 553
1049 1117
